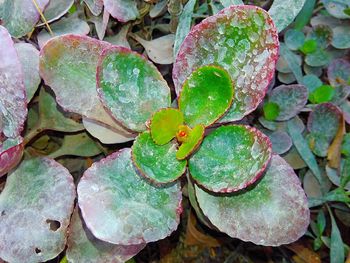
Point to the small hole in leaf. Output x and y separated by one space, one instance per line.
3 213
54 224
37 250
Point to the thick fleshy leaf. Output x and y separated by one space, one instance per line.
294 39
56 9
13 101
281 142
35 206
272 213
248 53
283 12
164 125
95 6
318 58
84 247
336 8
69 25
122 10
29 57
120 207
20 16
157 162
339 72
11 151
312 82
101 23
230 158
323 123
206 95
130 87
191 144
341 36
290 99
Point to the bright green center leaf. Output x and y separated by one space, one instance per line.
164 125
157 162
194 139
206 95
271 111
322 94
309 46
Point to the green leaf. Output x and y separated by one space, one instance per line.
309 46
305 14
227 3
337 195
206 95
311 82
230 158
193 141
121 207
339 72
347 11
157 162
164 125
130 87
318 58
292 62
341 37
345 173
336 246
271 111
321 222
294 39
322 94
272 212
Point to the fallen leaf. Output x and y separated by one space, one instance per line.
303 254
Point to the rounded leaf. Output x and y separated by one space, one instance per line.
35 206
164 125
56 9
241 39
230 158
157 162
339 72
273 212
191 144
130 87
120 207
291 100
206 95
11 151
281 142
122 10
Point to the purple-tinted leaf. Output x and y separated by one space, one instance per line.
29 58
294 159
130 87
122 10
13 100
56 9
271 213
290 99
20 16
286 78
101 24
339 72
336 8
281 142
341 36
121 207
230 158
345 107
35 206
323 123
84 247
333 175
95 6
248 53
11 151
311 186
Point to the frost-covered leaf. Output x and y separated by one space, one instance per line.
290 99
206 95
283 12
323 123
248 53
272 213
339 72
157 162
84 247
35 206
29 57
281 142
131 87
336 8
20 16
106 133
122 10
11 151
120 207
164 125
66 25
95 6
101 24
191 143
13 100
292 62
230 158
283 64
341 36
56 9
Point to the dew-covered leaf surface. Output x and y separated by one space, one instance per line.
271 213
11 151
164 125
191 144
20 16
120 207
122 10
339 72
230 158
323 123
206 95
29 57
84 247
35 206
13 100
56 9
290 99
157 162
283 12
241 39
95 6
131 87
